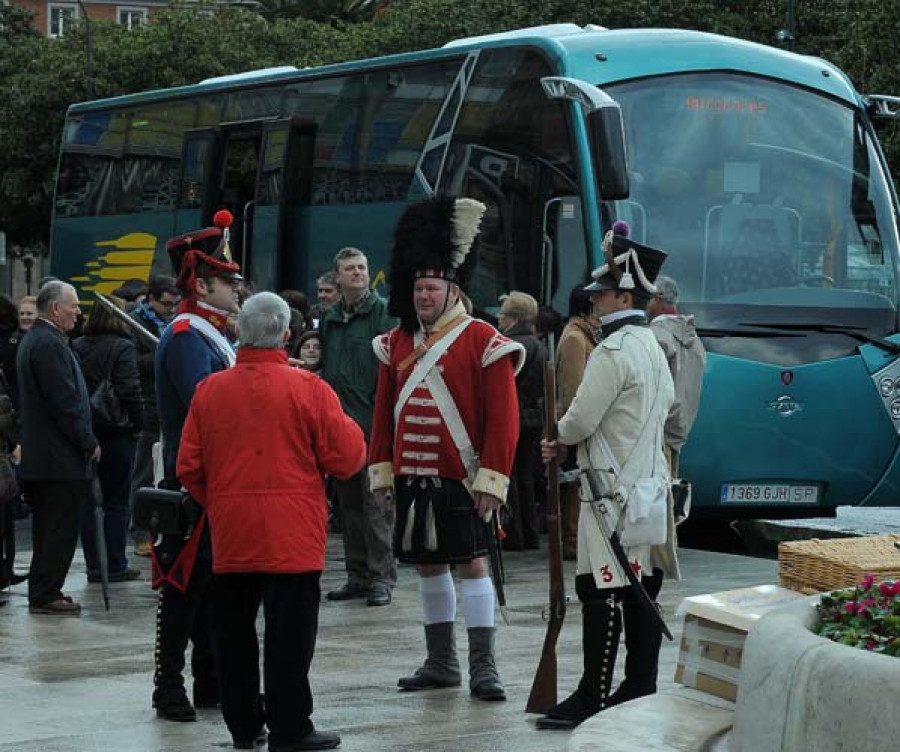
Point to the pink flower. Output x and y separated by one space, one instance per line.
895 589
850 608
887 589
867 581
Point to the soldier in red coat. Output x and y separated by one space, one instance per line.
445 430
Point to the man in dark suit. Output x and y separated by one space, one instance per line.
58 445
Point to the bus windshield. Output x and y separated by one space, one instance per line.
772 204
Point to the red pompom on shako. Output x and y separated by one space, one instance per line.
204 253
223 218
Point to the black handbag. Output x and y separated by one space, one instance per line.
105 403
160 512
106 407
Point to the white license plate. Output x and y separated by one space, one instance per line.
769 493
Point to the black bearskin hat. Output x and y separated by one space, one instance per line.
433 238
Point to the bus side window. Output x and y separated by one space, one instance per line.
80 176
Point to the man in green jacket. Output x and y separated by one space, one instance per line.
351 368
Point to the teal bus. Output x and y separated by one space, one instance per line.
757 170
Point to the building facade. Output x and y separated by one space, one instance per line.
53 17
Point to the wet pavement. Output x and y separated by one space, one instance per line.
83 684
847 522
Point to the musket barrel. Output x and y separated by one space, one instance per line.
140 331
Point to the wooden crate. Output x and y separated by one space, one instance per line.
816 566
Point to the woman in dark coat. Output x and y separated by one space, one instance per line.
107 352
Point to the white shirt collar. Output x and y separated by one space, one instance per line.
609 318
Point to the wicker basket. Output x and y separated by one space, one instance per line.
816 566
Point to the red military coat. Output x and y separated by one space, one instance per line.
257 440
479 371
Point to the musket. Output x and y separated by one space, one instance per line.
543 688
148 337
640 593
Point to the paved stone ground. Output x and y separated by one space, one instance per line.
83 685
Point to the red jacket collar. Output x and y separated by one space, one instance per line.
261 355
214 316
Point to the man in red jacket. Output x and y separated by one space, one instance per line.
255 444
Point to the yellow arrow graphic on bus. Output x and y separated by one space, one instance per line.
132 241
126 257
121 272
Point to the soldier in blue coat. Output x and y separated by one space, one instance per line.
193 346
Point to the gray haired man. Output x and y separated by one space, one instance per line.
686 356
58 444
265 498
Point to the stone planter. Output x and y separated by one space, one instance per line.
802 693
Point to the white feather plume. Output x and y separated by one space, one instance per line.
467 214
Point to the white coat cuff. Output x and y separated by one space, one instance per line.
381 475
491 482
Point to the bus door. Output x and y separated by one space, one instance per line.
261 172
275 256
239 162
199 179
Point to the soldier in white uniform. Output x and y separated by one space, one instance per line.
616 422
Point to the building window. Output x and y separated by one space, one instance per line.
131 18
59 19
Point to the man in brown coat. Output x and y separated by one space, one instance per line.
578 340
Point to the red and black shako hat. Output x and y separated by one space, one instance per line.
630 266
433 238
204 254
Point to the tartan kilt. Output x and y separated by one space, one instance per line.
437 523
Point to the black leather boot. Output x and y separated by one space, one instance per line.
643 639
173 625
484 681
601 628
441 667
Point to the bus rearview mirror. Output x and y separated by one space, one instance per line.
607 135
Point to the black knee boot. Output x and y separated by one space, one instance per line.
174 619
643 639
601 628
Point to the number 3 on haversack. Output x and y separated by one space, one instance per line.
607 575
